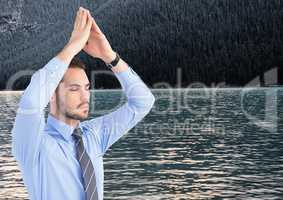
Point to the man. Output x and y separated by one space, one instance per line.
62 158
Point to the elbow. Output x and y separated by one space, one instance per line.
151 101
143 104
148 103
28 98
32 98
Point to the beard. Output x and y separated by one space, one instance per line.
71 114
74 116
68 113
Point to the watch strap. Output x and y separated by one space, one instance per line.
114 62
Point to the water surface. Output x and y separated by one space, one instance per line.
194 144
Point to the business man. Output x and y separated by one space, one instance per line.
61 159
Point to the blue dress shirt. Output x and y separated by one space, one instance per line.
45 151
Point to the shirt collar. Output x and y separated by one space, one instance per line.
61 127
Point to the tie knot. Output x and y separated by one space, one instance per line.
77 133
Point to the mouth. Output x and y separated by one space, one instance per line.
85 106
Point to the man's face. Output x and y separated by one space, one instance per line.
72 95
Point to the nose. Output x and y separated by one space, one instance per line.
85 95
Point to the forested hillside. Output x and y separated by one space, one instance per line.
209 41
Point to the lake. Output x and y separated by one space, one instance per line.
194 144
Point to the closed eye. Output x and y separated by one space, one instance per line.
74 88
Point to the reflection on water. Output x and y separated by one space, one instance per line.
194 144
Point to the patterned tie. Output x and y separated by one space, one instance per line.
86 166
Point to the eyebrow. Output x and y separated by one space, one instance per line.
78 85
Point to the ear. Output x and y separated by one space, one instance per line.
53 98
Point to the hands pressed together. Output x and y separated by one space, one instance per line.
87 36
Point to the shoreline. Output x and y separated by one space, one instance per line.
162 89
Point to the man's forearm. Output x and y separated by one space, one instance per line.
67 54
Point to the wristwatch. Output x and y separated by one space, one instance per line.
114 62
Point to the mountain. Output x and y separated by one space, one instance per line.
177 42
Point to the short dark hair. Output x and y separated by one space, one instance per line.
77 63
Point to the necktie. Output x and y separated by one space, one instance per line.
86 166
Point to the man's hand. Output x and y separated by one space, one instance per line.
97 45
79 36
